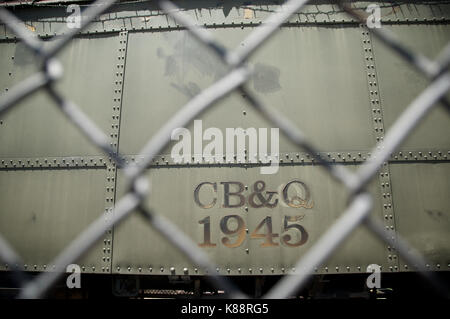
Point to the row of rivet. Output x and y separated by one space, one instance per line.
196 271
53 162
35 267
111 174
333 157
102 162
378 125
420 156
286 158
187 271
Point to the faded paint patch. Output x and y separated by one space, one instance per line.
266 78
187 56
190 89
171 66
186 60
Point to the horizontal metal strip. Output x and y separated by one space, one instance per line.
285 159
302 158
121 19
54 162
420 156
276 270
41 268
267 270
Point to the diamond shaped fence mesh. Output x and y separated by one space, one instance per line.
359 203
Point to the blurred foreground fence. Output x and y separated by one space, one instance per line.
359 203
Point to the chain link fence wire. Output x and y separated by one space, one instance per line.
360 202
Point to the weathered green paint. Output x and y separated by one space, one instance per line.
314 73
138 246
165 70
36 127
421 205
42 211
400 84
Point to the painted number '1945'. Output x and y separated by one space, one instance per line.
235 237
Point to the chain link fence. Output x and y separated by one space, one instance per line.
360 202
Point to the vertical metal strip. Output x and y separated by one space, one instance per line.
384 178
111 172
7 75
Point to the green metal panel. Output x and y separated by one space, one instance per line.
318 80
44 210
137 247
35 127
321 85
400 83
315 75
421 204
163 72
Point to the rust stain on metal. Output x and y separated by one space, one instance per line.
248 14
30 27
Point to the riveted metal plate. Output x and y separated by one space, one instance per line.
35 127
317 81
139 249
399 84
164 70
44 210
384 180
421 204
